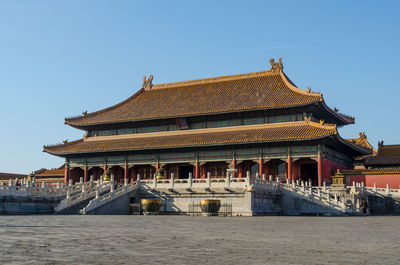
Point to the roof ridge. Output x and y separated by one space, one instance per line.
64 143
212 79
85 114
293 87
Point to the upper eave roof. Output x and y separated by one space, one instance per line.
244 92
262 133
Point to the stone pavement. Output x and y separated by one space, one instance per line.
199 240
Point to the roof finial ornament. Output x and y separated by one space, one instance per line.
336 109
380 144
308 89
322 122
65 142
147 83
84 113
362 135
276 67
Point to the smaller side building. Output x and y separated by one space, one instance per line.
382 168
5 177
51 176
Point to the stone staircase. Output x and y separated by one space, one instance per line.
321 200
108 198
72 204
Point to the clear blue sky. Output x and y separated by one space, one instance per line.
59 58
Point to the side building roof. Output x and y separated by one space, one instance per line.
263 90
387 156
55 172
262 133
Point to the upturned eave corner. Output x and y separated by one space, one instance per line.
278 68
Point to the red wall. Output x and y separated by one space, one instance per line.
329 168
380 180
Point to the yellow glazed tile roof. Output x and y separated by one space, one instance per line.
279 132
253 91
362 141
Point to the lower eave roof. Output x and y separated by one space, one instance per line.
263 133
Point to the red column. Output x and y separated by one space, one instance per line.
234 166
134 176
105 169
203 171
126 172
240 175
85 174
266 170
66 173
320 161
289 167
196 170
260 166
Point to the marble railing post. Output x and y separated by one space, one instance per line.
44 188
138 179
248 177
172 180
154 181
209 179
70 182
190 180
10 182
228 179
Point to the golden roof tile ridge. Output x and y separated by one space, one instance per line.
290 85
212 79
85 115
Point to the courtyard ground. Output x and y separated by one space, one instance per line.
198 240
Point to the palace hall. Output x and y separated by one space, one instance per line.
256 122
